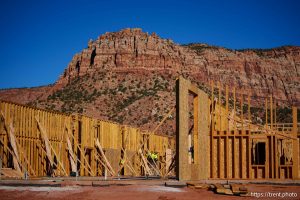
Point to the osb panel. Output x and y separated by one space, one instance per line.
110 135
132 138
195 170
130 162
113 156
88 131
158 144
137 164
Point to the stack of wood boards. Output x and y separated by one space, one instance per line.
195 185
227 189
231 189
10 173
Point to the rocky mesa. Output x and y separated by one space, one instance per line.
129 77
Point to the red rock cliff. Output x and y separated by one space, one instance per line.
274 71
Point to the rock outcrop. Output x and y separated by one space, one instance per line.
129 77
24 95
274 71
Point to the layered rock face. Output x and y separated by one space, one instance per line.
264 72
132 50
129 77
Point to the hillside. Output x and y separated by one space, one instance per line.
129 77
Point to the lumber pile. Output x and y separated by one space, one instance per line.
195 185
226 189
231 189
10 173
239 190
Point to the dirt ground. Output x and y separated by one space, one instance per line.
139 191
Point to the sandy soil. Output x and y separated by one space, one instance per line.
133 192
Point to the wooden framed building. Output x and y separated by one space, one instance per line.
227 144
216 138
44 143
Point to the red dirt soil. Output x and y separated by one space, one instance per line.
132 192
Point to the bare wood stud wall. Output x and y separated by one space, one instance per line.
237 148
41 144
223 143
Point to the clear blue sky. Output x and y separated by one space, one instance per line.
38 38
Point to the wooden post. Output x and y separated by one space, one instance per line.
271 112
93 156
234 109
242 111
271 165
276 157
295 145
227 131
212 114
234 132
266 112
81 135
227 109
212 107
196 130
182 167
250 176
275 114
219 107
249 111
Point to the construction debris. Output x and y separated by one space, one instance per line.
10 173
220 189
232 189
196 185
176 184
227 189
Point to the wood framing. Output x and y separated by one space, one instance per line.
227 145
216 138
47 143
199 169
